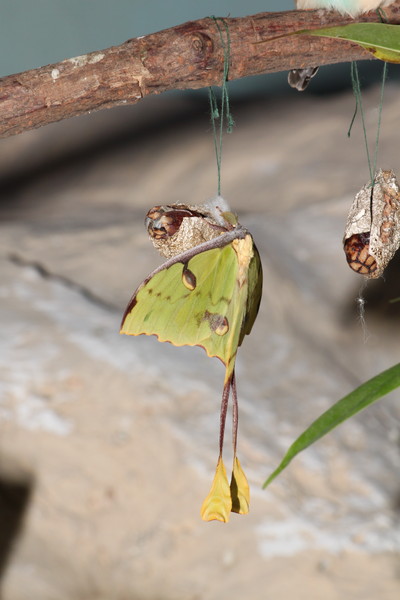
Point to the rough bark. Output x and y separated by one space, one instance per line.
190 55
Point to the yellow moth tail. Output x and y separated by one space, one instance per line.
218 504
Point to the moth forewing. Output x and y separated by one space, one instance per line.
372 233
244 251
209 315
222 240
250 277
255 278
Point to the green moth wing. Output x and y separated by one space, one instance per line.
207 296
254 293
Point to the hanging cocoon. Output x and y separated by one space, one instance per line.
372 233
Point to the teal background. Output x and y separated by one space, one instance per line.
38 32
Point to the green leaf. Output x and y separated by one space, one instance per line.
379 38
360 398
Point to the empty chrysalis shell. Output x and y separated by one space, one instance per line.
178 227
372 233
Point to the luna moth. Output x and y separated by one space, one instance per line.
206 294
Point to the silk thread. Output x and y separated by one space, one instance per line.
355 80
221 113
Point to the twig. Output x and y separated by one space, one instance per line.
186 56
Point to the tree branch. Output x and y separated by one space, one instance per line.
186 56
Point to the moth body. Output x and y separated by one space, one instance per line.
300 78
350 7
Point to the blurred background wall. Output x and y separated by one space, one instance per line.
107 443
